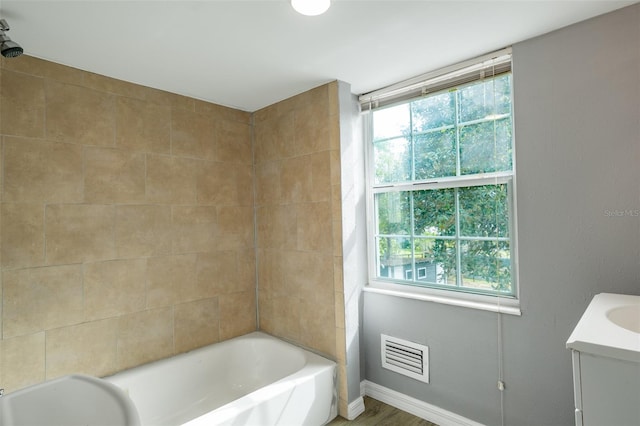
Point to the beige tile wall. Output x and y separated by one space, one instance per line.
126 223
299 229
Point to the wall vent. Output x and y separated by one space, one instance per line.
404 357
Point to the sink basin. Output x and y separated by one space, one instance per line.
72 400
626 317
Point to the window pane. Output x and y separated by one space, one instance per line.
503 94
393 160
394 212
434 212
394 257
435 261
484 211
486 147
435 154
391 122
433 112
486 265
485 99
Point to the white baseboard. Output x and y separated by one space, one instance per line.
355 408
415 406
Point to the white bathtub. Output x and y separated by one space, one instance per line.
254 379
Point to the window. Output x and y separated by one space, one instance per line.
422 273
441 186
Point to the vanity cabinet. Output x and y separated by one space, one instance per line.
606 390
605 351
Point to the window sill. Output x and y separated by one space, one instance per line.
484 303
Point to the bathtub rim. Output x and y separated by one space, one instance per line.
310 355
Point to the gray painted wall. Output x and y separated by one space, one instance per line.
354 231
577 135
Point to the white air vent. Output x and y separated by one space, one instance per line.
404 357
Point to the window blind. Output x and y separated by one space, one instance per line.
488 65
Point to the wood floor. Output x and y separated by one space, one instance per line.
379 413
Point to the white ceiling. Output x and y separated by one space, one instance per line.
250 54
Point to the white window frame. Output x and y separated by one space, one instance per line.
493 302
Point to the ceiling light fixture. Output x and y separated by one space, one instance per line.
311 7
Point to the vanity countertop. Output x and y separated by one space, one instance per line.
609 327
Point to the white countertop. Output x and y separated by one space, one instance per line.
596 334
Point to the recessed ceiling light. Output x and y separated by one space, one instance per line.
311 7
